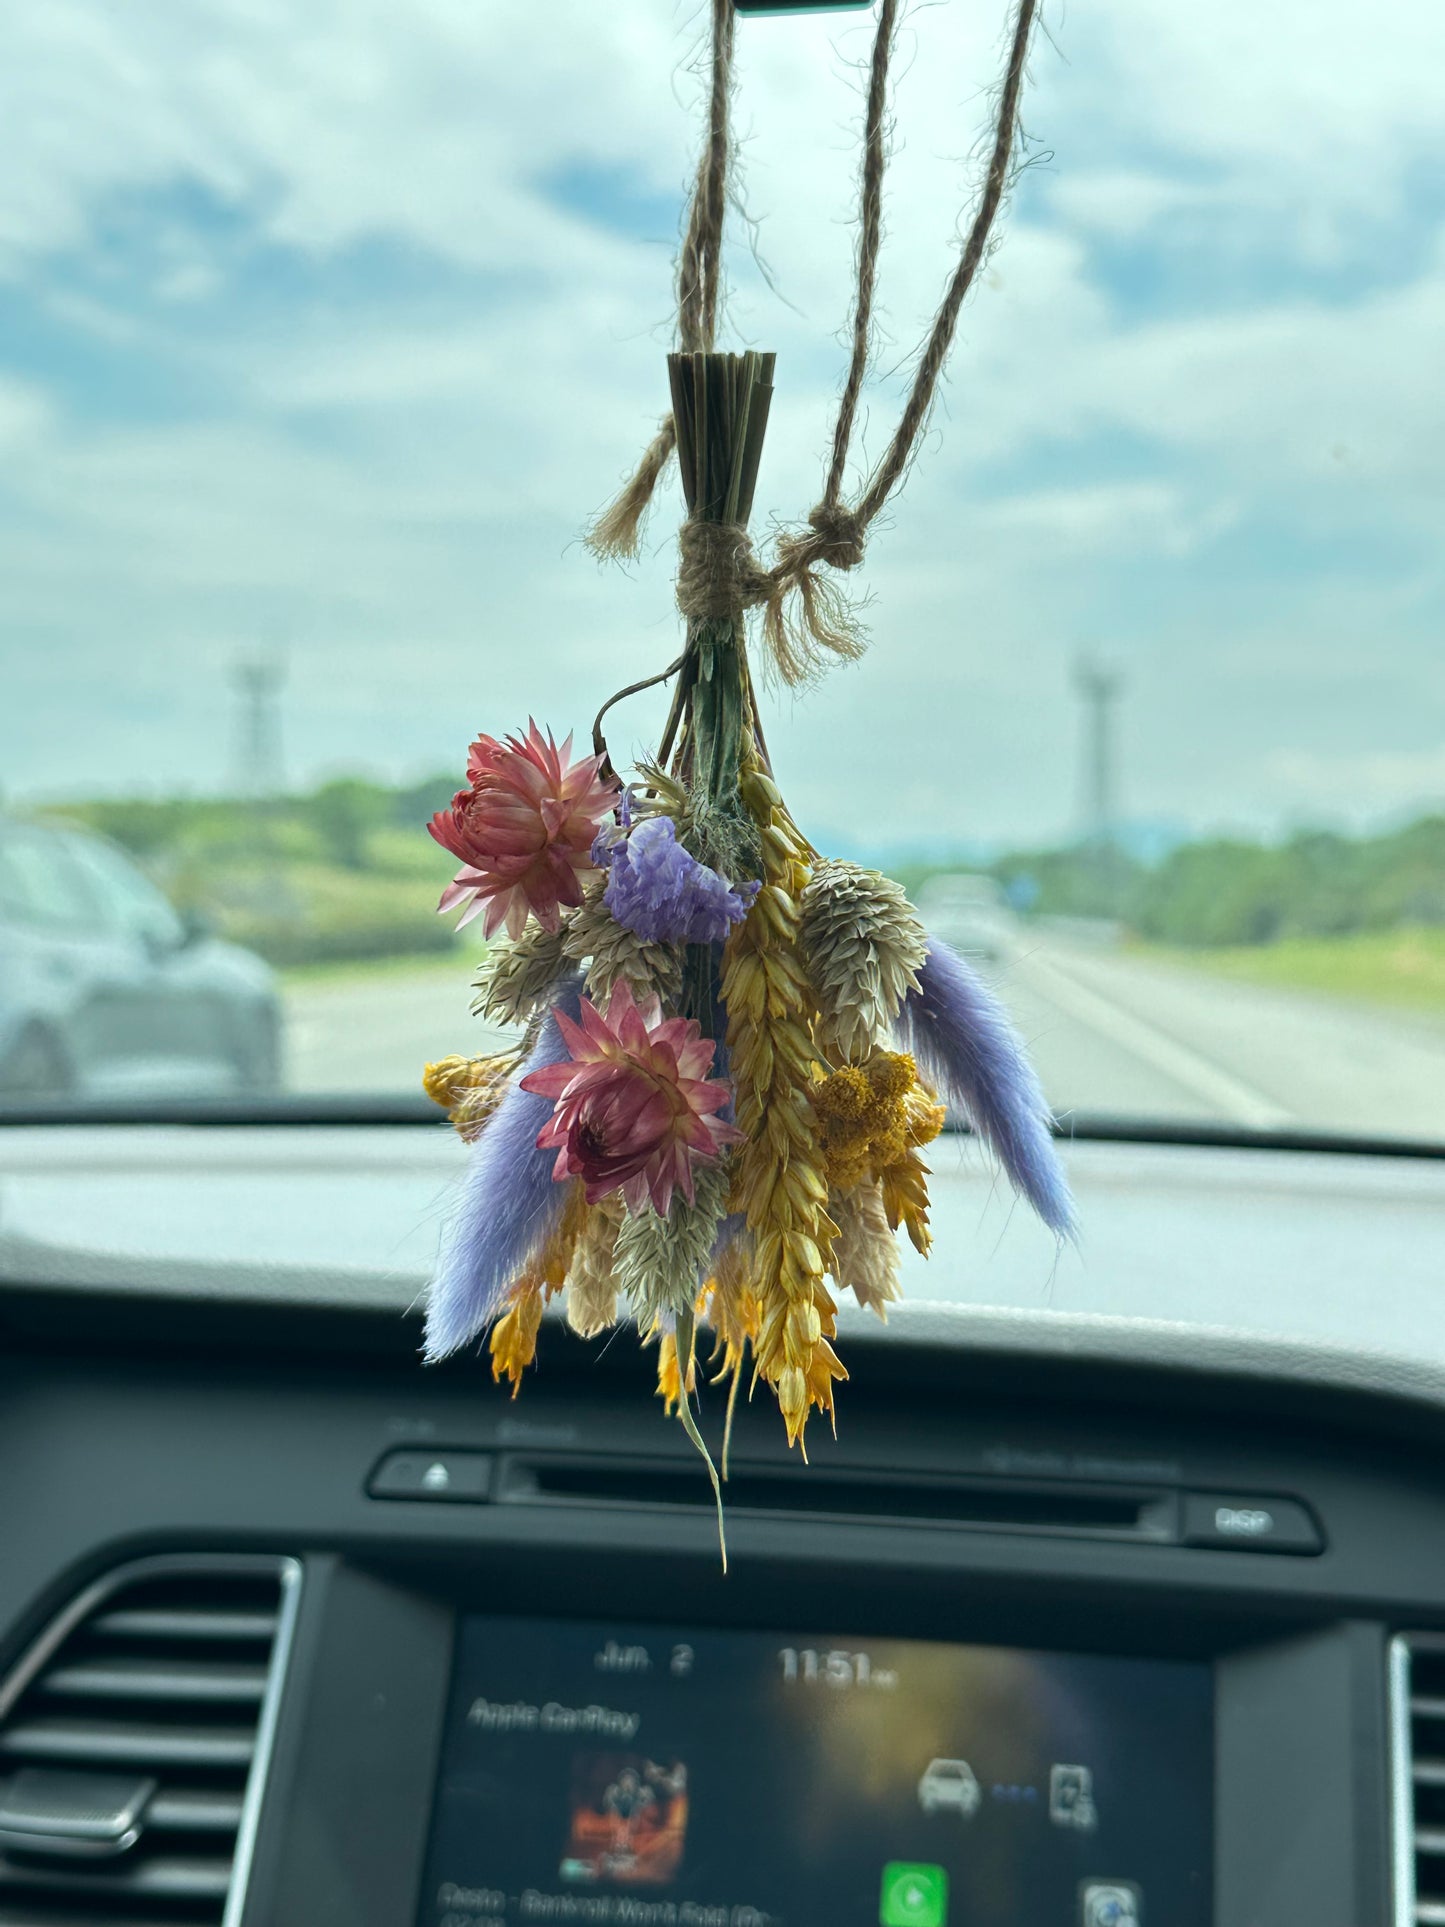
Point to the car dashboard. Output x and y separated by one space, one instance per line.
1080 1617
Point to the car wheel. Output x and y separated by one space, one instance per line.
35 1067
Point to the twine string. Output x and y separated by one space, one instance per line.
699 267
870 237
614 535
807 618
910 427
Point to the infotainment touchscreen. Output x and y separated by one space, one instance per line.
648 1776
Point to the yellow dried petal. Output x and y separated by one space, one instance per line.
514 1338
792 1387
445 1080
780 842
803 1250
760 792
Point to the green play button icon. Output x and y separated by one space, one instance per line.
915 1894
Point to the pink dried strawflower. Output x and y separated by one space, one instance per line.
523 831
635 1104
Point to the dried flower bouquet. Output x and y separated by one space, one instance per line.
735 1050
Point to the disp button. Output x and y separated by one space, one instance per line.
1225 1520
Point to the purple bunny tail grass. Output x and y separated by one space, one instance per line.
508 1205
966 1045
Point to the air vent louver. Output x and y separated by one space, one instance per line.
1417 1663
132 1746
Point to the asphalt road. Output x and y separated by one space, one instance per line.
1110 1033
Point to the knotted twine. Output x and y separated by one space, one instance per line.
807 617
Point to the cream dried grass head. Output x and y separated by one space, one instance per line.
863 946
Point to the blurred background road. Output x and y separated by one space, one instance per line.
159 944
1110 1032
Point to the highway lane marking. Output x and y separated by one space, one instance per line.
1240 1101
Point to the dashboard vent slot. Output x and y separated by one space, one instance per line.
1417 1691
1002 1505
134 1739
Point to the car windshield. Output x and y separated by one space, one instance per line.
327 329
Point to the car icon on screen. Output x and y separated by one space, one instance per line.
949 1786
1111 1903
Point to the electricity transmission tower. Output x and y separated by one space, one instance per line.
1099 685
257 681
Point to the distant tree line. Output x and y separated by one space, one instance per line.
1228 891
340 819
354 856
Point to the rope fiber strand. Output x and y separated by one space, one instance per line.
614 536
886 476
870 237
808 620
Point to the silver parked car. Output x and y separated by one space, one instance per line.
105 989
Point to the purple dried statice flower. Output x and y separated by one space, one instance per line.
661 893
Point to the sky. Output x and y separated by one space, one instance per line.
324 329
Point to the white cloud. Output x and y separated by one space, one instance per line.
1363 786
24 416
1122 202
1122 518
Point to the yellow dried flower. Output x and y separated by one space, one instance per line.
514 1336
905 1199
845 1096
780 1184
867 1111
892 1075
904 1178
513 1343
732 1303
469 1089
845 1172
669 1379
445 1080
926 1117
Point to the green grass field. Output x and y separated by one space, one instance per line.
1404 968
459 964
